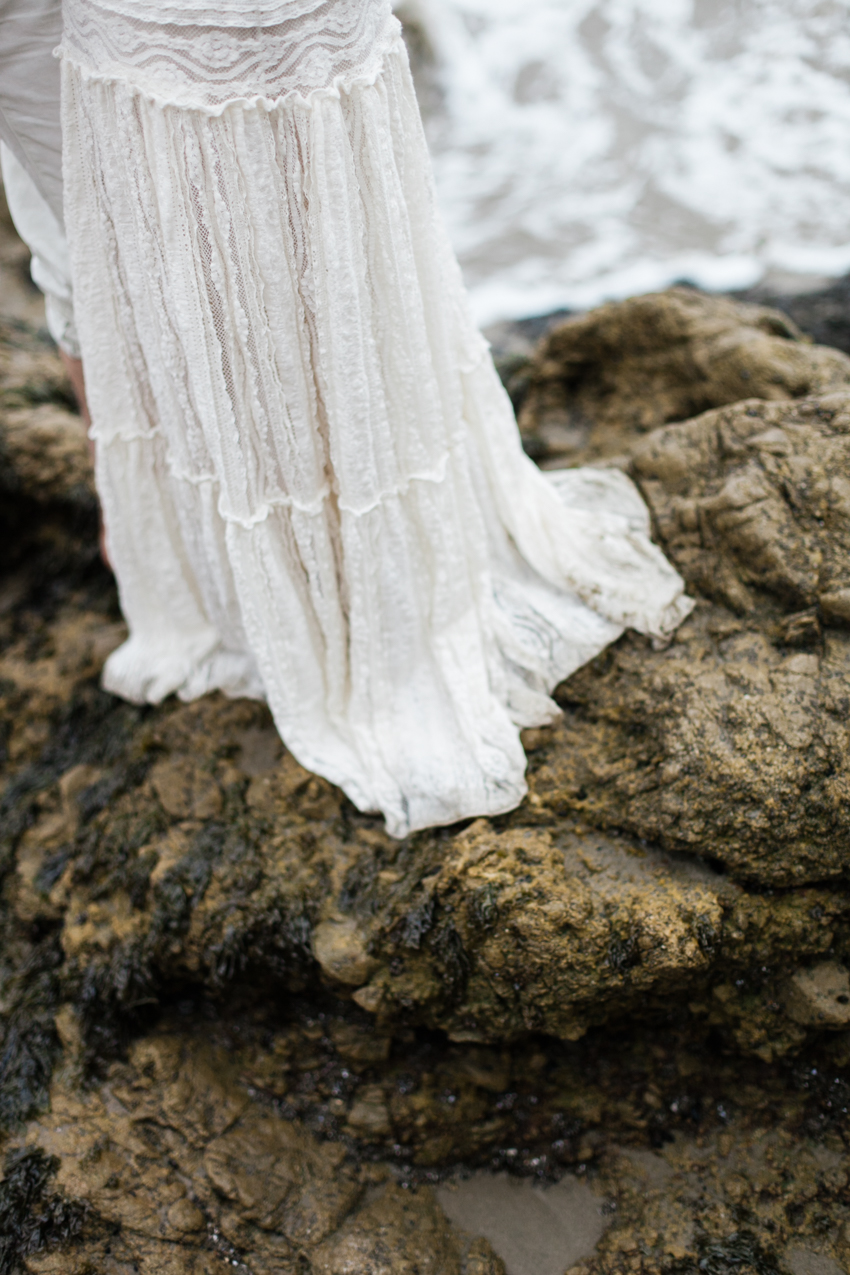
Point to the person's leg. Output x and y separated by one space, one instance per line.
74 370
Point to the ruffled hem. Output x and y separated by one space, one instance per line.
145 671
316 491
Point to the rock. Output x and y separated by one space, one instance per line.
821 313
340 948
359 1045
44 448
281 1180
184 790
369 1116
675 1209
802 1260
396 1235
601 379
756 497
819 996
48 508
503 992
732 743
172 1167
684 1138
542 925
547 923
724 745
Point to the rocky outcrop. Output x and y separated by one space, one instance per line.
735 738
599 380
675 1208
680 784
178 849
680 863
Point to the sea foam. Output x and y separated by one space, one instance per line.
587 149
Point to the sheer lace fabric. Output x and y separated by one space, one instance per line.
208 58
312 480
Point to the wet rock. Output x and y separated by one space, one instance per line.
725 746
819 996
48 508
45 454
395 1235
755 498
370 1116
732 743
340 948
823 313
546 923
486 934
680 863
744 1199
171 1166
601 379
184 790
34 1218
681 1151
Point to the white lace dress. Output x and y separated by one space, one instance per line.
312 481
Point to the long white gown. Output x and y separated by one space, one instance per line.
312 481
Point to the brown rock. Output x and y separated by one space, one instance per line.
819 996
182 1170
398 1234
281 1179
340 949
755 499
359 1045
46 448
184 789
601 379
369 1116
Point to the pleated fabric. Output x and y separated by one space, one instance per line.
312 481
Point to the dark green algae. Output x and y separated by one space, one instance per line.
34 1216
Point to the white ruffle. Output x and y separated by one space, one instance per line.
312 481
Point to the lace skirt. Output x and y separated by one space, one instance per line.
312 481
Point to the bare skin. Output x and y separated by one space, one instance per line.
74 369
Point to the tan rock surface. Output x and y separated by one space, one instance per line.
820 996
180 1169
601 379
755 499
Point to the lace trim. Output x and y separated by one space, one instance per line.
214 70
226 13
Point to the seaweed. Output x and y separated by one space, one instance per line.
419 922
32 1217
740 1251
30 1044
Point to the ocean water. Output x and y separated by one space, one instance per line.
587 149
